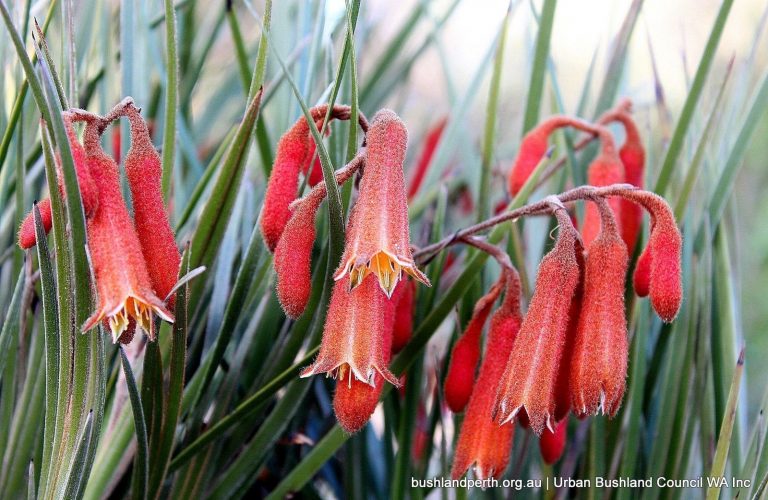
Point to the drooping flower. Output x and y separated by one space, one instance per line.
605 169
355 401
632 154
482 441
552 443
378 239
88 191
641 280
599 363
562 386
529 380
662 256
122 280
357 335
293 254
158 244
292 154
460 378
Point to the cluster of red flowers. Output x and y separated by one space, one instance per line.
135 260
568 353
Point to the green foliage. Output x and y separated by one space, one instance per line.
215 407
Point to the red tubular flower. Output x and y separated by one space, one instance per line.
355 401
562 387
641 280
425 158
158 244
27 235
552 444
662 257
482 441
122 281
293 254
599 364
404 299
632 155
378 238
357 336
88 192
531 372
292 154
460 378
604 170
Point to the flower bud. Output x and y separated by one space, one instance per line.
404 299
460 378
605 170
425 158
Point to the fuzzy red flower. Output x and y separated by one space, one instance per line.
378 239
599 364
604 170
357 335
425 158
482 441
88 192
293 153
404 299
122 281
661 260
158 244
466 352
530 376
632 154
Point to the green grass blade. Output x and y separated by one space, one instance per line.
692 101
615 69
140 473
539 69
489 134
171 98
11 323
726 429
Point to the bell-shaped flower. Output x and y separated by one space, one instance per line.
378 239
122 281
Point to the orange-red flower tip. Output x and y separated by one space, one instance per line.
27 235
354 402
136 308
530 376
552 444
599 362
378 239
357 337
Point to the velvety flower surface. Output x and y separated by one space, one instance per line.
357 335
378 239
122 281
